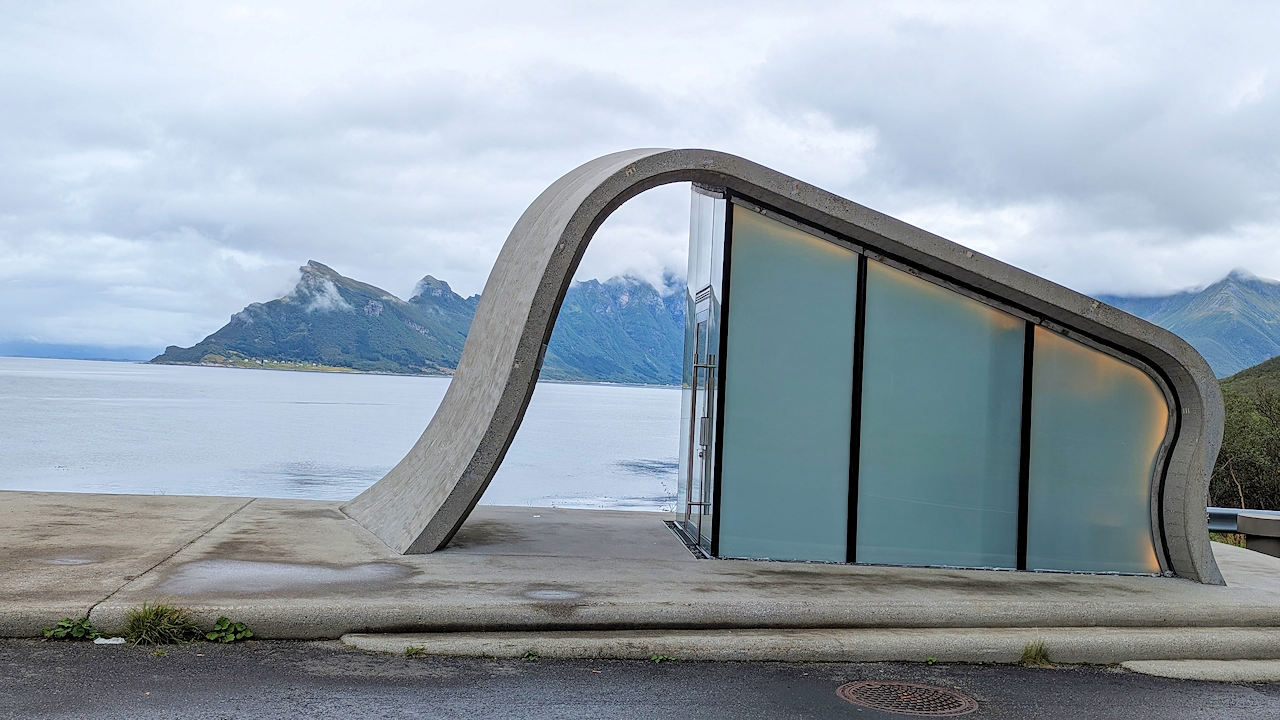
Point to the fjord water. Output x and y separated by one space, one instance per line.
85 426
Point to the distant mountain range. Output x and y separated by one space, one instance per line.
622 330
1234 323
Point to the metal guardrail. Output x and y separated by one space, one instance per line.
1223 520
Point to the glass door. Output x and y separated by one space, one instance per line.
698 483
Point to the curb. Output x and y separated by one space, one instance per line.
1211 670
1093 645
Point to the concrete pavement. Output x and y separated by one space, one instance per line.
301 569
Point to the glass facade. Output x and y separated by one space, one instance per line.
1097 424
789 348
702 331
941 426
925 420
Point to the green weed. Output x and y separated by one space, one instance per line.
225 631
1236 539
160 624
1034 654
68 629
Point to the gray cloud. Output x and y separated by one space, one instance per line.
1121 130
163 166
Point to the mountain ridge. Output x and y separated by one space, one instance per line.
620 330
1233 322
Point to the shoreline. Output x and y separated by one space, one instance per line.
352 371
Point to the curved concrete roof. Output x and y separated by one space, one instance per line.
424 499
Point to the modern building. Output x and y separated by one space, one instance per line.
845 405
856 390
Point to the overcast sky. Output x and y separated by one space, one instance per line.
164 164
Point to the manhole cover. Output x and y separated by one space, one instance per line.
907 698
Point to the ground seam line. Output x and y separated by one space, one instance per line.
171 555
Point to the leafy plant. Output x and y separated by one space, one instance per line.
225 631
1236 539
930 660
529 655
415 651
1035 654
160 624
68 629
656 658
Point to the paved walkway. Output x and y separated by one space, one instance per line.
301 569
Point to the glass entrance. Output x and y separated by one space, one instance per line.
699 478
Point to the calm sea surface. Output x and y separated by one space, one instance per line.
72 425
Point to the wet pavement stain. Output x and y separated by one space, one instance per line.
219 577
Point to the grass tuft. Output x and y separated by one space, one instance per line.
160 624
1035 654
415 651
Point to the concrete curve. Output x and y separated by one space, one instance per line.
424 499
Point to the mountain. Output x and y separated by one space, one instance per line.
621 330
332 321
1234 323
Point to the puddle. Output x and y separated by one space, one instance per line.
552 595
247 576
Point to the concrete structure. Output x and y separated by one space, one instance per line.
1261 532
426 498
588 583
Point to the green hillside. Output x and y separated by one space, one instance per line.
622 323
622 330
333 321
1247 472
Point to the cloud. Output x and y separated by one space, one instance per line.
165 165
1144 129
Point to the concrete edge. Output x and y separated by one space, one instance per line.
330 618
1092 645
1209 670
29 621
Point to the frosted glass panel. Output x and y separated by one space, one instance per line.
1096 426
788 387
941 424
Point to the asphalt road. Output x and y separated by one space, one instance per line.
327 680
